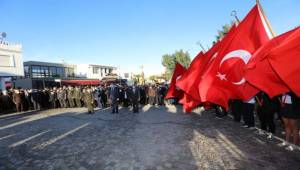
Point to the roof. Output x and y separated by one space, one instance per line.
40 63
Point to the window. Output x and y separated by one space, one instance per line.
44 71
36 71
71 72
7 61
60 71
52 72
96 70
26 72
40 71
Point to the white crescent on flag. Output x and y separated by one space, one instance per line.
243 55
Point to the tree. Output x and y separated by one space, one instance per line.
169 61
223 31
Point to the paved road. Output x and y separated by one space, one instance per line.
157 138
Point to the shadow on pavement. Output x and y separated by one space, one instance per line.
158 137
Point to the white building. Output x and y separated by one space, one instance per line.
93 71
11 63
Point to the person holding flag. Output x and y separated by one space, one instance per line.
174 92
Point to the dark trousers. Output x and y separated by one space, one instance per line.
126 103
135 105
236 110
248 115
115 107
266 119
53 104
36 105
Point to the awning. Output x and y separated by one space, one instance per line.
80 82
8 84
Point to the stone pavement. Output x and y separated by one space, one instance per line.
157 138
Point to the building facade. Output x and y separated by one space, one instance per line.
44 74
38 75
93 71
11 63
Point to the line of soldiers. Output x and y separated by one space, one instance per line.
68 97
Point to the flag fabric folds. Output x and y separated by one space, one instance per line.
260 73
173 91
225 78
285 60
185 83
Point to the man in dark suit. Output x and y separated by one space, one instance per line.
135 97
113 94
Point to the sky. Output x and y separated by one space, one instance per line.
127 33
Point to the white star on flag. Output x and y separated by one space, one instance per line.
221 76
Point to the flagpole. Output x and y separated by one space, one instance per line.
234 14
199 43
266 19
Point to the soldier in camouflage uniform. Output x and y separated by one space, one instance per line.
78 96
71 97
89 100
62 96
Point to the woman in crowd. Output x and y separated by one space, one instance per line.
290 112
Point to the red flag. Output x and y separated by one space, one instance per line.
285 60
174 92
225 79
260 73
188 103
190 80
184 83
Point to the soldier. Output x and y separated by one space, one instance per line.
89 100
78 96
1 102
61 96
152 95
17 99
53 98
70 96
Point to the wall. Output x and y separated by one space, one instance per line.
24 83
11 61
11 57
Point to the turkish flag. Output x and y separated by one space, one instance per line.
188 102
174 92
189 82
188 79
185 83
225 79
285 60
260 73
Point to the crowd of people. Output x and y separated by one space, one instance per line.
285 109
19 100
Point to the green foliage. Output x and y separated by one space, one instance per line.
152 78
169 61
223 31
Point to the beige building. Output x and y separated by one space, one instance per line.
94 71
11 63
